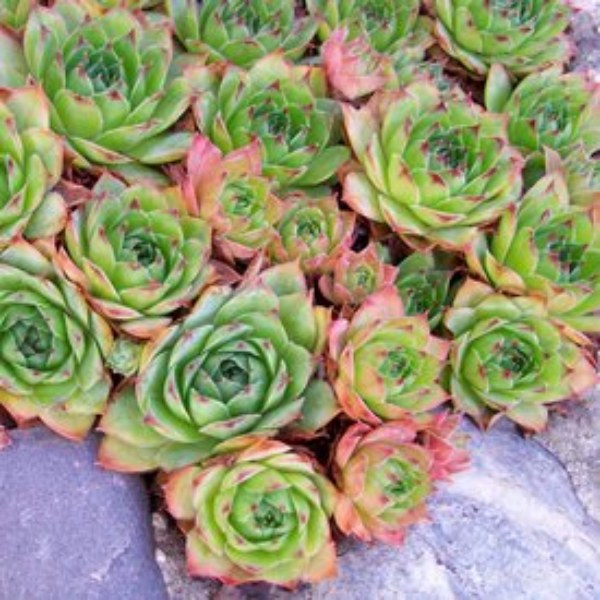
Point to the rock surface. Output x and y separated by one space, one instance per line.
71 530
511 527
586 33
574 439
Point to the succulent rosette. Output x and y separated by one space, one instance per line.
353 68
231 194
52 347
551 109
124 357
433 167
110 82
355 276
242 31
241 363
14 13
32 161
282 106
423 281
547 247
388 25
137 254
385 364
509 359
259 515
386 474
313 230
523 36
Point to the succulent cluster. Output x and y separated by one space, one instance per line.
275 250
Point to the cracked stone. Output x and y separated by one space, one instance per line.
69 528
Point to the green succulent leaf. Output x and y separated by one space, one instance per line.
241 31
434 167
52 347
107 75
387 364
282 107
386 473
388 25
556 111
548 247
264 515
137 254
14 13
313 230
423 281
31 159
509 358
524 36
239 364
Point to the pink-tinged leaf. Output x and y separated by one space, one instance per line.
348 520
337 338
379 307
179 493
353 405
70 425
533 417
361 196
353 68
348 443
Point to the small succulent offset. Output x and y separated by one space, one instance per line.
240 363
32 160
124 357
423 281
313 230
550 109
110 83
241 31
355 276
233 196
510 359
137 254
386 473
547 247
52 347
388 25
281 105
433 168
259 515
385 364
525 36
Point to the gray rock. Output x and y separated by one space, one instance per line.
586 33
574 438
170 556
511 527
71 530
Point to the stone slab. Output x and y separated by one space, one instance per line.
70 530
